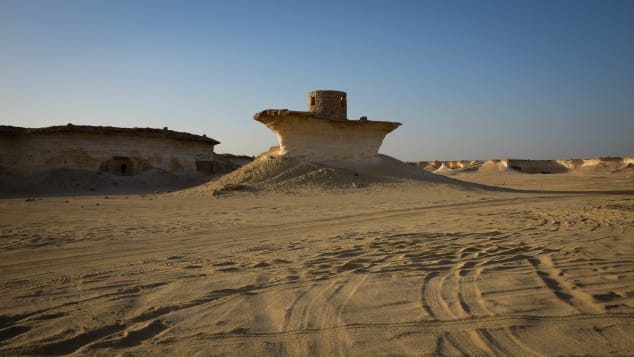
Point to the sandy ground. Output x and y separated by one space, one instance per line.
412 268
570 181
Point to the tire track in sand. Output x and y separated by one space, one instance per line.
563 289
436 306
504 339
455 295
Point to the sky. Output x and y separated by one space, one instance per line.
467 79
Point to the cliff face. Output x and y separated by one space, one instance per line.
25 152
307 136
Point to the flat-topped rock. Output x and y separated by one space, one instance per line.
118 151
320 135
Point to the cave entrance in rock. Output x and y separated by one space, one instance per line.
205 166
121 165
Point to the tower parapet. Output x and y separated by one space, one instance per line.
331 104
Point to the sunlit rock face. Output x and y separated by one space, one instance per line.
324 133
119 151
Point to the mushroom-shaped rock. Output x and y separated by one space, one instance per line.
315 136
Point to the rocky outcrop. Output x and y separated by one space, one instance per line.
324 133
120 151
604 164
14 131
305 135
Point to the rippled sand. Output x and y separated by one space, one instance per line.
400 269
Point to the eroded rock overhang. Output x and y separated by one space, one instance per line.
310 136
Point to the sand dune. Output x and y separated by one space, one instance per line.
404 263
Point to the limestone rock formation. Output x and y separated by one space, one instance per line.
323 133
119 151
596 165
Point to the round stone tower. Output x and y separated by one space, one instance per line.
328 103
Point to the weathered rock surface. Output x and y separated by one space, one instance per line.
605 164
308 136
124 151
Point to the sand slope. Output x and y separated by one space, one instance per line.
414 267
271 172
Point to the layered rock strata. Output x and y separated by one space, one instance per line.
319 136
120 151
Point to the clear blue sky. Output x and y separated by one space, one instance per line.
468 79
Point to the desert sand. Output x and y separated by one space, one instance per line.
290 258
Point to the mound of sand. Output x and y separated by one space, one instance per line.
272 172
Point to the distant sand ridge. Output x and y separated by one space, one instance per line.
606 164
